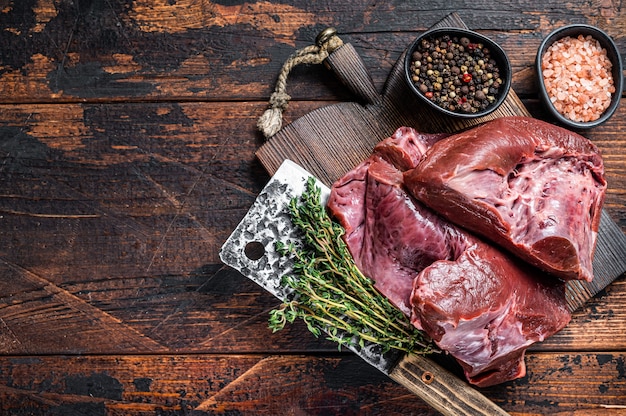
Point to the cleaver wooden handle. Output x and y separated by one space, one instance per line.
441 389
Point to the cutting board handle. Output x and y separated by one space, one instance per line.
441 389
350 69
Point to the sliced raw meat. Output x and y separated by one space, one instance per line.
485 309
531 187
375 212
471 298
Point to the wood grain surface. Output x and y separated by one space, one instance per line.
127 156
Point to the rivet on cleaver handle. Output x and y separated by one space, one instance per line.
251 250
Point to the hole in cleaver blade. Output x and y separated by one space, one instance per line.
250 249
267 222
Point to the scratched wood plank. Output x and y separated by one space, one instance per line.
112 216
190 50
205 312
283 385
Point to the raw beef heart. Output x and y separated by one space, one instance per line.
529 186
483 306
485 310
376 213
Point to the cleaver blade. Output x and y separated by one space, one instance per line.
250 250
268 222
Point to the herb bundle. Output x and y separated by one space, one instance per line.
331 293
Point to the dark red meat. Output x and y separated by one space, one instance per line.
485 309
375 212
480 304
531 187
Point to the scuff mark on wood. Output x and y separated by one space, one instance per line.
124 64
45 11
30 80
183 15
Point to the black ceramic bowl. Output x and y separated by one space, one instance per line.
612 53
495 52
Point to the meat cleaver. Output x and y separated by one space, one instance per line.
250 249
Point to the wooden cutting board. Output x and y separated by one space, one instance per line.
330 141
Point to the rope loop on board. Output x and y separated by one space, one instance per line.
326 42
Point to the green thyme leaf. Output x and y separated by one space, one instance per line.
331 292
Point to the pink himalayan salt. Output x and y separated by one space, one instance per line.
577 76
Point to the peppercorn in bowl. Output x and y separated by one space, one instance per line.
458 72
579 73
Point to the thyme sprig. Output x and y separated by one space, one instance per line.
330 292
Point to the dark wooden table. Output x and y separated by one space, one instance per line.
127 157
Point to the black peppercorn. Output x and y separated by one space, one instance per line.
456 73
